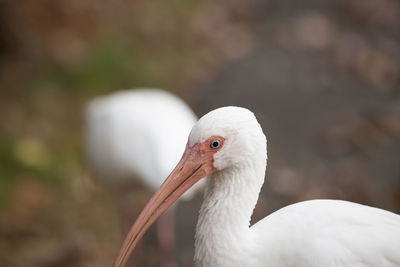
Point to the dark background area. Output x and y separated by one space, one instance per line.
323 78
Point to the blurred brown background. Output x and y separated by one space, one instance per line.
323 77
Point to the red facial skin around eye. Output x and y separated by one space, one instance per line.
207 153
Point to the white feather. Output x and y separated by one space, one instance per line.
312 233
137 133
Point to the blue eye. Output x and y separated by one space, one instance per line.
215 144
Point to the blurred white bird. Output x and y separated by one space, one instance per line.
229 146
138 134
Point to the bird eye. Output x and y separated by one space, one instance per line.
215 144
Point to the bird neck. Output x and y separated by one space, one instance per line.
224 218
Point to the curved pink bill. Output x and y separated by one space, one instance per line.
190 169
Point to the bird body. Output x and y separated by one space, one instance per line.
229 147
331 233
309 233
137 134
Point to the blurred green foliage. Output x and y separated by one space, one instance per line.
106 67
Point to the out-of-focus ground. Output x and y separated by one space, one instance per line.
323 77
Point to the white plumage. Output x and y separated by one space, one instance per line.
330 233
139 133
312 233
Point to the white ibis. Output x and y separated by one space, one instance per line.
228 145
137 134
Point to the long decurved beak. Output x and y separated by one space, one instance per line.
190 169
